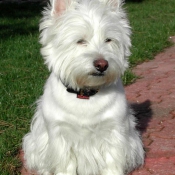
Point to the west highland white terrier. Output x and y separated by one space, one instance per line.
83 125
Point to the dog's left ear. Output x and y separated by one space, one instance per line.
59 6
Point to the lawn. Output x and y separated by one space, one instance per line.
22 72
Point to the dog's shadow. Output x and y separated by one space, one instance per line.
143 113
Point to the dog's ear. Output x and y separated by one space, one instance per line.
114 4
59 6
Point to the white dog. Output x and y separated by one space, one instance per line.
83 125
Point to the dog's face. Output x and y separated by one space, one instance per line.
85 43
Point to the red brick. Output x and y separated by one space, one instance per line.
161 147
168 132
155 125
147 95
142 171
161 166
147 142
173 113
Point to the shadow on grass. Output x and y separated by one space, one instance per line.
17 10
19 19
10 30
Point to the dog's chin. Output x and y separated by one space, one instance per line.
95 80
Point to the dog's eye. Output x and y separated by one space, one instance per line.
81 42
108 40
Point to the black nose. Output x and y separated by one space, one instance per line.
101 65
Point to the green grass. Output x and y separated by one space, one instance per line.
22 76
22 73
152 24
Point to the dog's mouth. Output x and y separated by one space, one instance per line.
98 74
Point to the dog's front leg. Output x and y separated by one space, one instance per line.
61 158
112 167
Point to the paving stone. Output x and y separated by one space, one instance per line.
167 131
147 142
168 118
165 68
161 147
159 134
141 172
144 73
147 95
161 88
167 105
173 113
161 166
154 126
135 88
160 111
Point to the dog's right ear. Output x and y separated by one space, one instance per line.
59 6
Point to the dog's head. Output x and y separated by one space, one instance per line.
85 42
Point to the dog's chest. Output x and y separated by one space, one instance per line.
76 134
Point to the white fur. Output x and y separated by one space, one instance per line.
72 136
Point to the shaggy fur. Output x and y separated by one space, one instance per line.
72 136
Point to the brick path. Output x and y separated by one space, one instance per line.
154 95
153 99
